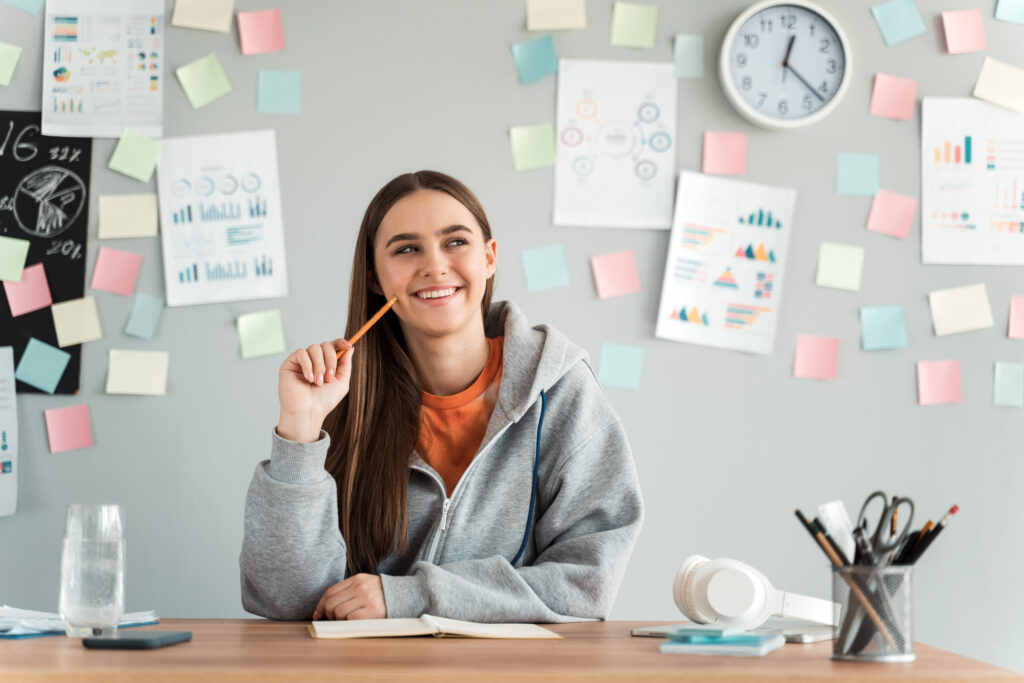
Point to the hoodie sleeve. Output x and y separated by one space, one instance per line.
292 550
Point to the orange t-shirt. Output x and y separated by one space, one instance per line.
452 427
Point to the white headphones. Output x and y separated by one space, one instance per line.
731 593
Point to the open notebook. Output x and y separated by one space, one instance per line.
426 625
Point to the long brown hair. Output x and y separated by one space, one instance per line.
374 428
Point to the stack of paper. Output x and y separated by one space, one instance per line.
23 623
714 640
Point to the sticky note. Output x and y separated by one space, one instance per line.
260 31
1010 10
29 294
533 146
615 274
725 153
892 214
960 309
1000 83
621 366
882 327
76 321
898 20
1016 327
203 80
13 252
634 25
535 59
544 268
840 266
116 271
208 15
128 215
261 333
893 97
30 6
816 357
280 92
9 55
965 31
42 365
857 174
938 382
137 372
135 155
689 55
555 15
145 316
68 428
1008 388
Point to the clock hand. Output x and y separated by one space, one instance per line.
804 81
785 59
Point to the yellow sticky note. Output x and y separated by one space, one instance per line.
1001 84
840 266
634 25
9 55
208 15
76 321
127 215
135 155
137 372
555 15
203 80
960 309
533 146
261 333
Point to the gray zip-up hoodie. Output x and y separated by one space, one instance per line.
539 528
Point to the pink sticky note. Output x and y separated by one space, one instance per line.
116 271
965 31
892 214
938 381
68 428
725 153
893 97
1016 330
31 294
816 357
260 32
615 274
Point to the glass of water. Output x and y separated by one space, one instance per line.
92 570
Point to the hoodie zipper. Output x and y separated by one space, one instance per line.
444 512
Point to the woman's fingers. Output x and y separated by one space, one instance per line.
330 360
301 359
316 354
345 362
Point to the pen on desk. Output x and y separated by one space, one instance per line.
926 541
369 323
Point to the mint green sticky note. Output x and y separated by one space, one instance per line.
280 92
9 55
621 366
203 80
261 334
1010 10
30 6
135 155
535 58
1008 391
145 316
882 327
544 267
634 25
42 365
898 20
857 174
839 266
13 253
689 55
533 146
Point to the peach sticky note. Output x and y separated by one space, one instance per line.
1016 330
615 274
938 381
68 428
725 153
116 271
31 294
892 214
260 32
893 97
964 30
816 357
960 309
76 321
1000 83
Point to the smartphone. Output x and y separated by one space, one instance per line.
136 640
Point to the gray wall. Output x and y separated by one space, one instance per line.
727 444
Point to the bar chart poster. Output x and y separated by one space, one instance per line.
221 220
972 183
725 263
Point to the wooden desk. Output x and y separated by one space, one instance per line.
254 649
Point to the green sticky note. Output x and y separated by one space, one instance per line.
30 6
145 316
9 55
535 59
261 334
898 20
689 55
1008 391
280 92
634 25
621 366
1010 10
533 146
135 155
203 80
882 327
839 266
857 174
13 253
42 365
544 267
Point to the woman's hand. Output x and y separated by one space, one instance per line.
310 383
357 597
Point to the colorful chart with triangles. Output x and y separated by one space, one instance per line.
691 316
758 254
727 279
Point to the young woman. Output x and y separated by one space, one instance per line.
459 462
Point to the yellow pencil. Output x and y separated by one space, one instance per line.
369 323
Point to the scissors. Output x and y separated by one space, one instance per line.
888 536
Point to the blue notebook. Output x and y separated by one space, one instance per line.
751 645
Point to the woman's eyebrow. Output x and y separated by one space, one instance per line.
410 236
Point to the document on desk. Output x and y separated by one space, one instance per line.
8 434
426 625
23 623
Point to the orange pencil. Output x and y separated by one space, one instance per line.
369 323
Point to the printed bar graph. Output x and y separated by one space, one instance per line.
190 274
949 152
182 216
762 218
697 236
1006 226
263 266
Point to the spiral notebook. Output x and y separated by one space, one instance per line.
426 625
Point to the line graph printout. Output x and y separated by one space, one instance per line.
220 217
972 183
616 151
725 263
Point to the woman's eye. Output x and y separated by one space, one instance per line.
458 241
404 250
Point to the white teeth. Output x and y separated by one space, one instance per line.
437 293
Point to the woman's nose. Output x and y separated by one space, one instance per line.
435 262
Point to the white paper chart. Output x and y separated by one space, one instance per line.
220 218
8 434
103 67
725 265
972 183
616 147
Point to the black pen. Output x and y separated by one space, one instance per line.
923 544
818 526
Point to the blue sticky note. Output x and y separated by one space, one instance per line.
42 365
145 316
857 174
898 20
535 59
689 54
621 366
1009 385
30 6
280 92
882 327
1010 10
545 268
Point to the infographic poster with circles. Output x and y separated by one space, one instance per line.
726 262
220 218
616 147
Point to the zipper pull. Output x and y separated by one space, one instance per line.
444 512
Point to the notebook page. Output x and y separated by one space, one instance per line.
370 628
477 630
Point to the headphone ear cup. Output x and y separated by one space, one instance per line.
683 588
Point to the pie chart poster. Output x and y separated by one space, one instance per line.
44 199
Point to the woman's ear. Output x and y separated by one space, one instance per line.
491 254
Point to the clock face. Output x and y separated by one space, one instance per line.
786 62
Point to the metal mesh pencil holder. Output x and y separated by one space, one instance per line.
875 613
